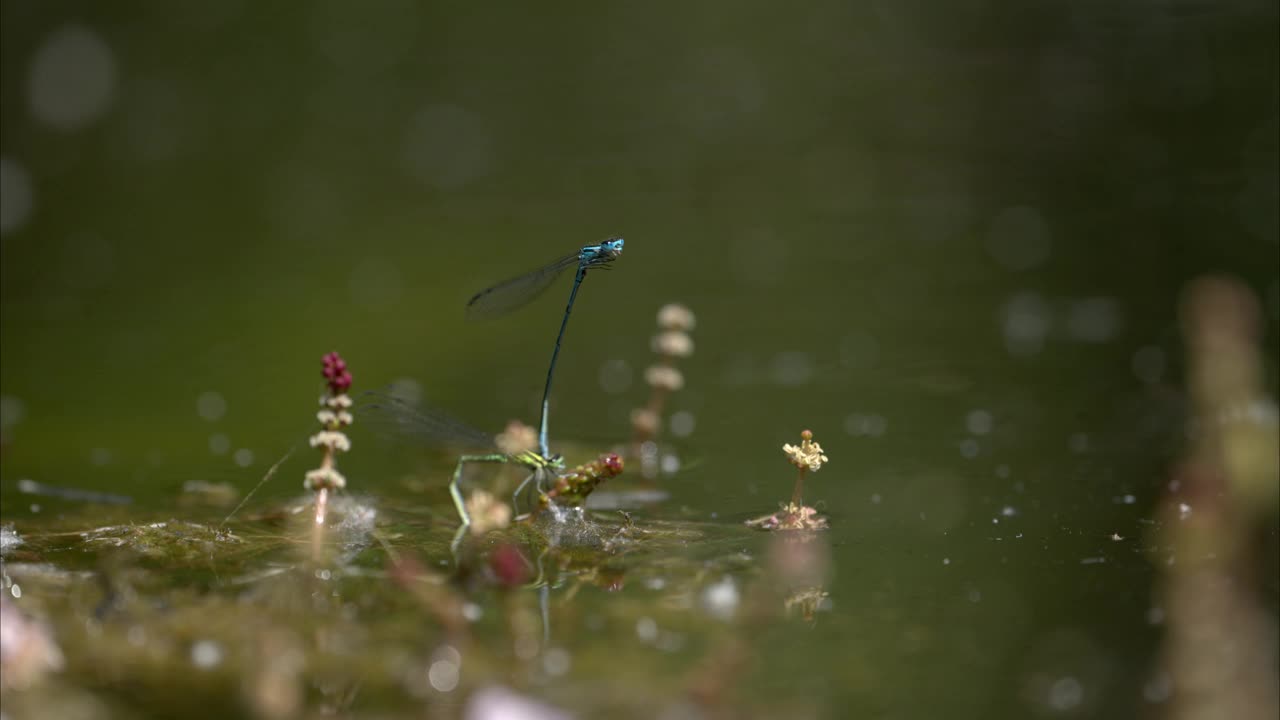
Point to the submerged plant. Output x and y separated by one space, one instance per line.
675 321
334 416
808 456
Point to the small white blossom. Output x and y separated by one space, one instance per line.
675 317
331 439
324 477
673 343
335 402
664 376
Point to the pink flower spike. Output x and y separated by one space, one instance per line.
334 370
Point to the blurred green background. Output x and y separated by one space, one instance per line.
948 237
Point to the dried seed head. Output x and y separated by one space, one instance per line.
325 478
807 455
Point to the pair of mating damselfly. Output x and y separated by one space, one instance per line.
493 302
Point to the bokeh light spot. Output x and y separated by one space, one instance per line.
72 79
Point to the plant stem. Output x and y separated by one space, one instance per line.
795 494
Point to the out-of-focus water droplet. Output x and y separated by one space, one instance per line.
243 457
720 599
1026 322
979 422
1065 694
206 654
16 195
219 444
556 661
72 79
211 406
682 423
9 539
443 675
670 464
12 411
646 629
1079 443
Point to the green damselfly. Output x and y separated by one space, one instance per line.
435 427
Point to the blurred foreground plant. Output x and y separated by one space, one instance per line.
1219 653
27 648
675 321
